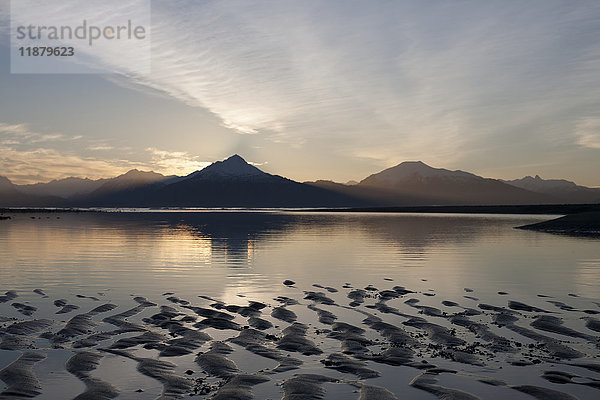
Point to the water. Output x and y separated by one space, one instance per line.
222 254
235 256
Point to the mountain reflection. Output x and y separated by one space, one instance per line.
234 236
240 252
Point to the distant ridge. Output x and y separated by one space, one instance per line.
409 170
416 183
65 188
11 196
234 182
128 189
560 189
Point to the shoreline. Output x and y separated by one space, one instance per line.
544 209
42 210
584 224
533 209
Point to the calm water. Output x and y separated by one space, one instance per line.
236 256
226 253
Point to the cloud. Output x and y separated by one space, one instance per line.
28 156
14 129
23 134
455 84
44 164
587 132
175 162
395 81
100 148
4 18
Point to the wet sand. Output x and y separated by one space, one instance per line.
374 342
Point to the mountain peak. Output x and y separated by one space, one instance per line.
421 163
136 174
134 171
538 184
235 158
232 167
6 185
409 170
414 165
233 162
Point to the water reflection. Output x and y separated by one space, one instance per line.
230 253
233 236
236 235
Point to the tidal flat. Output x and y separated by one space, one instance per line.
296 306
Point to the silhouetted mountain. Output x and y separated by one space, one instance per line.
561 189
7 187
65 188
409 171
416 183
235 183
131 180
233 168
442 186
130 189
11 196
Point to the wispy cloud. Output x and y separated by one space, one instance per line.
175 162
100 148
14 129
23 134
417 79
4 18
464 84
44 164
28 156
587 132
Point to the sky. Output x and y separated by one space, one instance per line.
329 89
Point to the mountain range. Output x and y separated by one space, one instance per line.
235 183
